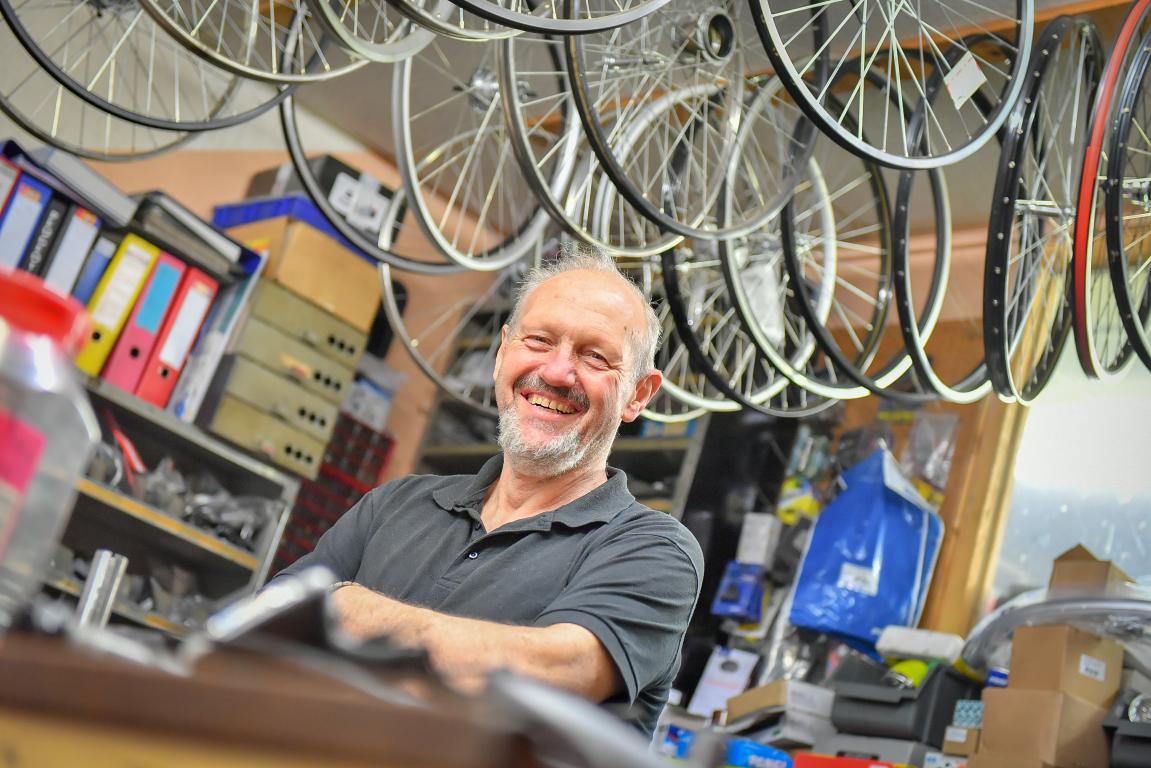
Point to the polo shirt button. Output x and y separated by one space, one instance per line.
473 555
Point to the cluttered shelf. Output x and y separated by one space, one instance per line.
70 586
191 435
186 539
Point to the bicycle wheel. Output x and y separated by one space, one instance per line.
38 104
455 159
115 57
1101 342
715 337
953 377
372 29
1027 280
1128 201
911 39
382 249
280 43
450 20
684 394
692 55
563 17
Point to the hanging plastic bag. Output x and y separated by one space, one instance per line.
871 557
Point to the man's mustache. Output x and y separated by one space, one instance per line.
572 394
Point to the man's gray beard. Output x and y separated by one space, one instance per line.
550 459
557 456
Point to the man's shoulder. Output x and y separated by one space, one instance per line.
640 520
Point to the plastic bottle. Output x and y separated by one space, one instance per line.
47 430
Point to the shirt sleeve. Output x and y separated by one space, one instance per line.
341 547
636 594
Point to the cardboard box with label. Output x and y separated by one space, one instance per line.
803 711
1046 726
1063 658
1077 570
311 264
960 741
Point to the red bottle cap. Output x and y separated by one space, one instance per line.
29 305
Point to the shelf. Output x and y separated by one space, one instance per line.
122 609
187 540
658 503
189 433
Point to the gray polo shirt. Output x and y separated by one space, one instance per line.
625 572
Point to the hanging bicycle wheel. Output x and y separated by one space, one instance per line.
382 248
453 340
689 56
684 394
546 135
1128 198
563 17
455 159
275 42
928 263
1101 341
713 333
912 40
450 20
114 56
49 112
372 29
1027 279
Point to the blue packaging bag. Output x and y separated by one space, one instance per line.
871 556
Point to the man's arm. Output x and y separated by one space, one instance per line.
465 650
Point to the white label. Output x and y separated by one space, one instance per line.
857 578
955 734
343 194
964 80
1091 667
120 290
183 331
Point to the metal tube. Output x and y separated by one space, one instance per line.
100 588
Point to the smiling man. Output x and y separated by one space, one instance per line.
542 562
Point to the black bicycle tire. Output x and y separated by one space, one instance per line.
117 110
1135 318
1001 224
355 237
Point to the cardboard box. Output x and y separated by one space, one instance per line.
782 695
313 265
1059 657
994 760
960 741
1044 726
894 751
1077 570
795 728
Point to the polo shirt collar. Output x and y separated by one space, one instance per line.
598 505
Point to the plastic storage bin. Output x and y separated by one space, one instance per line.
868 707
47 430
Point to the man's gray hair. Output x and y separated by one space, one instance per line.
586 258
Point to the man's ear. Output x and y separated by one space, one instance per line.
645 390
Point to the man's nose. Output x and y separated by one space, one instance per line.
558 368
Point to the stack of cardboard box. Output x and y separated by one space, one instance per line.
1061 682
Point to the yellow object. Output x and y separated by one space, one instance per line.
114 298
796 499
911 671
